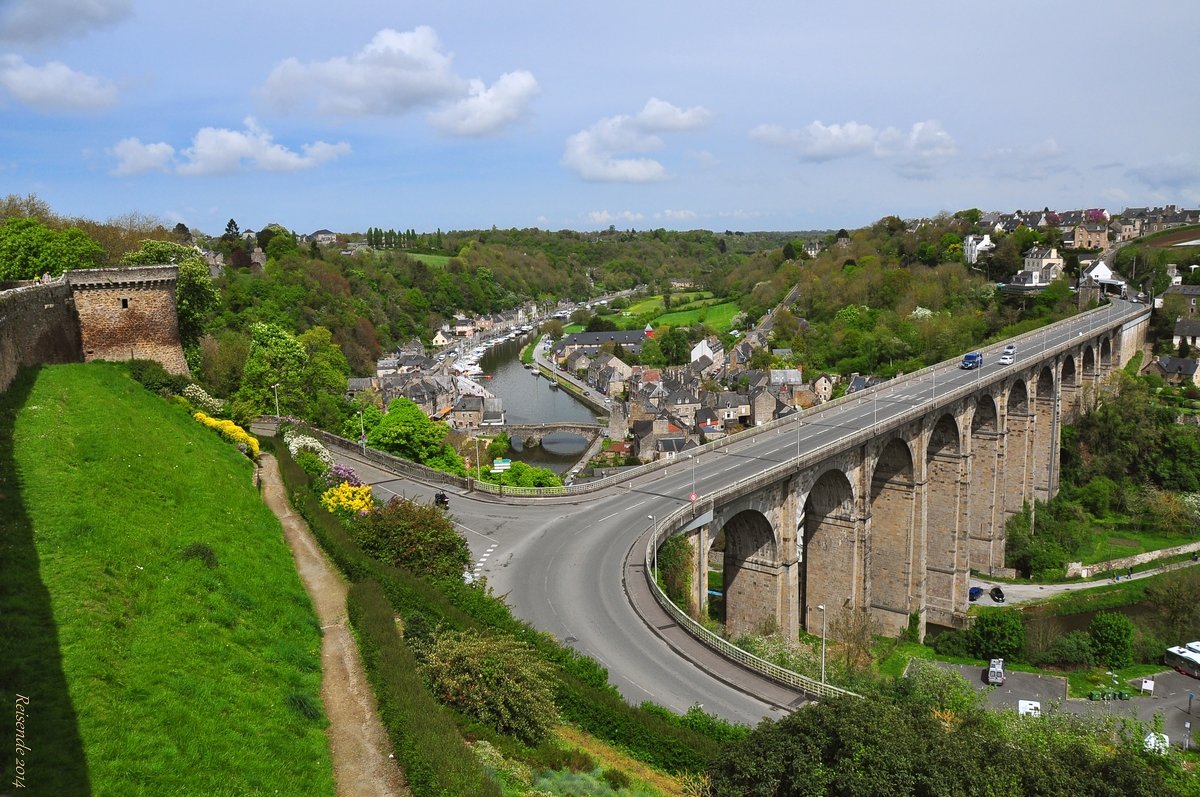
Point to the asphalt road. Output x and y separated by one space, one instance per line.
561 563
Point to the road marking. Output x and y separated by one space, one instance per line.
606 517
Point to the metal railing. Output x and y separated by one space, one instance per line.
668 526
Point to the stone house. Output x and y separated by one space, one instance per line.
467 412
1187 330
823 387
1042 266
1176 370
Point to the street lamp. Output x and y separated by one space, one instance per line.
821 609
692 457
654 542
362 432
276 388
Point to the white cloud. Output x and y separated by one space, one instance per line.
1046 149
37 21
396 73
594 153
916 153
54 86
217 150
134 157
604 217
820 142
678 215
486 110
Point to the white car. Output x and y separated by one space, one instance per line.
1006 358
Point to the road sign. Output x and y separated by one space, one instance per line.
501 465
693 496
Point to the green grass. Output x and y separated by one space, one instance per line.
717 316
1080 682
1119 540
155 672
437 261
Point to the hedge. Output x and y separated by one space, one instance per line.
424 734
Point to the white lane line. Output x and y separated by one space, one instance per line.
471 530
606 517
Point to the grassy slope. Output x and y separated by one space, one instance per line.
184 679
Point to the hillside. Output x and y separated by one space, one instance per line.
152 612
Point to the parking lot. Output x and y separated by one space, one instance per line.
1170 697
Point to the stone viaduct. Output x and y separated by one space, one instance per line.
532 434
892 521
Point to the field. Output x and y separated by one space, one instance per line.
1172 238
717 316
437 261
153 615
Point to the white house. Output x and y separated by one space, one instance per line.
976 245
1042 266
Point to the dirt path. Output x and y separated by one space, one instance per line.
361 751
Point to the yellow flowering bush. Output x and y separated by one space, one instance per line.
346 499
231 432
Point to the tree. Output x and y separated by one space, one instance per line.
998 634
418 537
325 375
406 431
29 249
675 347
1112 638
651 354
231 231
496 679
275 358
281 245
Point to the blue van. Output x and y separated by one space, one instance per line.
972 360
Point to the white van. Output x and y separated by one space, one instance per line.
1029 708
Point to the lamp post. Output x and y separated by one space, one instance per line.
362 432
821 609
276 389
654 542
692 457
477 475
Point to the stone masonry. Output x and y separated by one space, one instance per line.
129 313
37 325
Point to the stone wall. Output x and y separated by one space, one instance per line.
128 313
1077 569
37 325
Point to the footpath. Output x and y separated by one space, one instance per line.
362 753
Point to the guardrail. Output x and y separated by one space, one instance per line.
666 528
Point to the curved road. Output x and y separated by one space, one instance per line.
561 563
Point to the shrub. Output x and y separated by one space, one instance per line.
424 736
1069 650
952 642
675 568
153 377
347 501
999 633
496 679
415 536
200 399
313 466
231 432
1112 638
342 473
298 441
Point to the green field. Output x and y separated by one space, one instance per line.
438 261
717 316
152 611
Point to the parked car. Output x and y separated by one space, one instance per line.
974 593
996 594
994 676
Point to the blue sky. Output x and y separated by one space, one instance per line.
463 115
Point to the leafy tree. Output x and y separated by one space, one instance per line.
275 358
1068 650
1173 597
29 249
651 354
1112 638
675 347
499 446
496 679
599 323
281 245
406 431
999 633
418 537
675 570
325 374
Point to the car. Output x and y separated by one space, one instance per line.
996 594
1010 349
974 593
1006 359
972 360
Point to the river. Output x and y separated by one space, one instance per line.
529 399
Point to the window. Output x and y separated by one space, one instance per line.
125 303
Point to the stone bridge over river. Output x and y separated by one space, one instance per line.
532 434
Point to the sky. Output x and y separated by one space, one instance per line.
684 115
